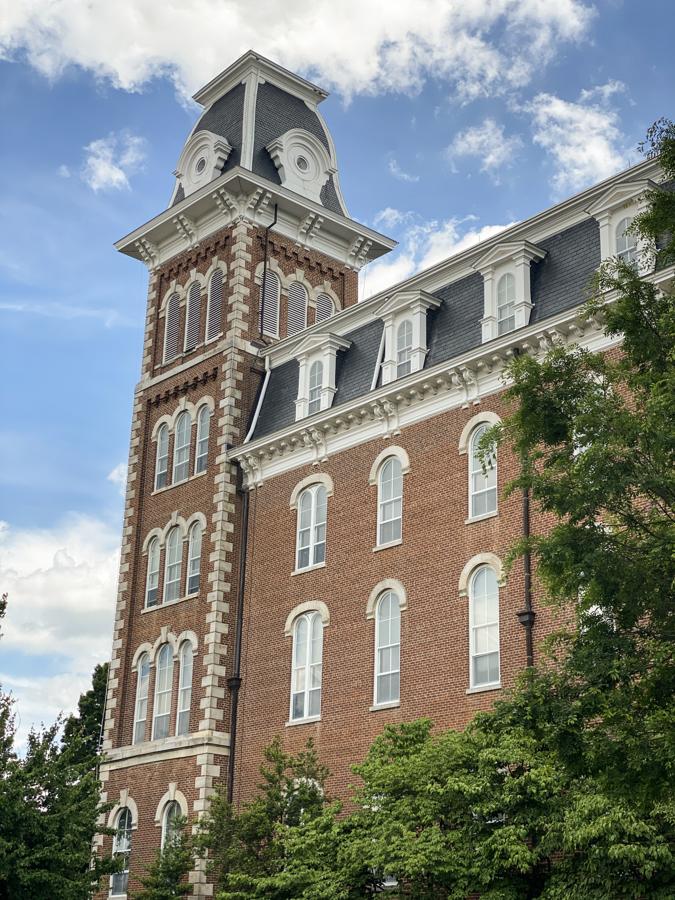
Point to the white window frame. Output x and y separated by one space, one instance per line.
506 303
320 347
624 201
393 701
162 457
181 452
314 387
313 619
173 565
509 257
475 469
202 445
413 307
382 502
312 492
122 847
629 253
195 537
404 348
173 806
152 575
163 692
142 695
473 628
183 706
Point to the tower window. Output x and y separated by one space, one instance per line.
121 850
162 463
214 313
269 303
170 819
194 558
297 308
171 328
152 580
141 708
163 685
174 548
193 318
202 454
184 689
324 307
181 448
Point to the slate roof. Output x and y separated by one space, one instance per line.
559 282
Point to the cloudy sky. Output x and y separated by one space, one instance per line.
452 118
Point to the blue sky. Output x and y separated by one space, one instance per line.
450 120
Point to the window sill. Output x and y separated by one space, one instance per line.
490 515
308 721
167 487
482 688
389 544
149 609
393 704
321 565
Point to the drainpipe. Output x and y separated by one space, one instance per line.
234 682
264 272
526 615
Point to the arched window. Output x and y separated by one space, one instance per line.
162 463
324 307
311 542
387 649
184 689
152 580
172 565
626 242
141 708
482 485
163 685
171 326
389 501
297 307
181 448
193 317
307 659
121 850
506 303
214 311
194 559
404 346
484 627
202 452
170 818
269 304
315 385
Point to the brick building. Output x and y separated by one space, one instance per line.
311 546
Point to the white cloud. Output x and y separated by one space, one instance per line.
489 143
423 245
478 47
583 138
64 171
111 160
397 172
389 217
118 476
61 583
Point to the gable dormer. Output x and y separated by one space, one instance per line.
614 212
405 332
317 356
507 295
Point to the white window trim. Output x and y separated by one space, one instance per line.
488 685
411 305
321 347
137 721
285 151
214 148
385 586
380 503
492 512
623 201
514 257
309 608
313 487
155 714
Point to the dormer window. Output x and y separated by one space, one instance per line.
507 299
626 242
316 377
303 163
202 160
614 212
405 333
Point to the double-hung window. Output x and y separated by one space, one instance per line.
311 536
404 348
484 627
194 559
626 242
162 460
163 687
506 303
121 850
202 453
184 689
170 819
389 501
172 566
307 664
482 483
315 385
181 448
141 708
387 649
152 579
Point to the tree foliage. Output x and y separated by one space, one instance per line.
85 727
166 878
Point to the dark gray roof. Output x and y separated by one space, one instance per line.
559 281
276 113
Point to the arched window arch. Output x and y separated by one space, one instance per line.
297 307
269 304
404 348
170 818
152 579
307 665
162 459
194 559
325 307
171 327
315 385
181 447
163 686
121 850
202 451
184 688
626 242
311 534
484 628
506 303
482 484
214 309
193 316
389 501
387 687
172 565
141 708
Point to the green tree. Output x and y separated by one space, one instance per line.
166 878
86 725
